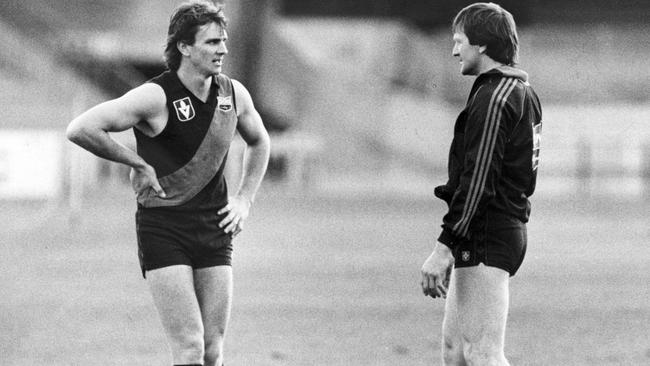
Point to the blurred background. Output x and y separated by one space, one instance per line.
359 94
360 98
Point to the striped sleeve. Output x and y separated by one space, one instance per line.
484 144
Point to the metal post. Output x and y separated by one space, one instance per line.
584 167
75 166
645 169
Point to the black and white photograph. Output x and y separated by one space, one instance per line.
341 182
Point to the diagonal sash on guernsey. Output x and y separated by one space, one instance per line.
183 184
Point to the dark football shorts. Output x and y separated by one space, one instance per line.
167 238
500 242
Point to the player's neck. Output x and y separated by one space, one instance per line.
196 82
487 64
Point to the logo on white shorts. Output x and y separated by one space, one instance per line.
464 255
184 109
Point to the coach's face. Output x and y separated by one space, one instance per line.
209 48
470 56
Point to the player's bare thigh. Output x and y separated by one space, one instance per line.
482 297
214 292
172 289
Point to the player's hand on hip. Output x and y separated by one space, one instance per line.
143 179
436 272
237 210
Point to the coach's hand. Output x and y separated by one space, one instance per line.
237 208
143 179
436 271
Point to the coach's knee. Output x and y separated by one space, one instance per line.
452 352
477 354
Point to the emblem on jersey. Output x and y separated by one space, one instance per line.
224 103
184 109
464 255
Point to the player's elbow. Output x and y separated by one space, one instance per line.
264 139
265 143
76 132
73 132
259 140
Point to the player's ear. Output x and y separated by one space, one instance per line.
481 49
182 48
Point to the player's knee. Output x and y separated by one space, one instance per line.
214 347
190 347
213 352
484 355
452 352
213 356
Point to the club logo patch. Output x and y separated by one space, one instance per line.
464 255
184 109
224 103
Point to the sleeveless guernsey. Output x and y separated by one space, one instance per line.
190 153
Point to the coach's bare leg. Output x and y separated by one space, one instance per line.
214 291
173 293
452 343
483 296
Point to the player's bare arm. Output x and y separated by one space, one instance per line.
436 271
144 108
256 158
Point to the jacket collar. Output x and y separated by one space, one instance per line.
508 71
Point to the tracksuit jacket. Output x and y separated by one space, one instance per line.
494 154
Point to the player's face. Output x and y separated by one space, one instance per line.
468 55
209 49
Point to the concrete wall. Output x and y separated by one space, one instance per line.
379 91
40 96
339 80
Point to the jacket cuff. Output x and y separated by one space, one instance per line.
447 238
443 193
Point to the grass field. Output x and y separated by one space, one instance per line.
323 281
